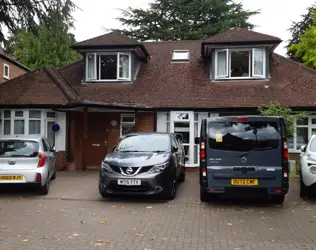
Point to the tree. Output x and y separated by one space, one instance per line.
275 109
305 49
297 29
47 46
184 19
15 14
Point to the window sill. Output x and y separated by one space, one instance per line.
109 82
240 78
6 77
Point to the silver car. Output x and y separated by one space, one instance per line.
27 160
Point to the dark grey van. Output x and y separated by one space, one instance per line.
243 157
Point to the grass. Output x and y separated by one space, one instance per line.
293 175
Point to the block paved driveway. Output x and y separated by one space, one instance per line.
73 216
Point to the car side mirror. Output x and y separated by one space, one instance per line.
197 140
303 148
52 149
186 158
114 147
174 149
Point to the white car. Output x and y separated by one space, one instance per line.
308 168
27 160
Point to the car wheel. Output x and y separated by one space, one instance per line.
278 199
171 192
54 175
182 176
204 197
304 190
44 189
103 193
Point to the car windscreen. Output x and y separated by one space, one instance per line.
18 148
243 136
144 143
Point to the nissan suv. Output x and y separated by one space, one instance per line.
143 164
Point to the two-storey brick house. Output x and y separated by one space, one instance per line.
10 67
122 85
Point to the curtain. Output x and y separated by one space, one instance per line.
34 127
124 66
91 67
18 127
221 63
258 59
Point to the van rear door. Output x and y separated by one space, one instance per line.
244 152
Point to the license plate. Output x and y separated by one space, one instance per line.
244 182
11 178
129 182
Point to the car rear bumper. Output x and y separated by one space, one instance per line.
28 176
245 192
151 184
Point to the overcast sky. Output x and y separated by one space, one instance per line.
275 18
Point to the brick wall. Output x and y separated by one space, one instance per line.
14 70
145 122
61 160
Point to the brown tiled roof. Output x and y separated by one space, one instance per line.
241 35
163 84
42 86
112 38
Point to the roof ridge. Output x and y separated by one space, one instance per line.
295 62
69 85
62 87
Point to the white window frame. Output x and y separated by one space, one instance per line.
253 62
87 67
129 66
8 75
34 119
309 127
126 123
228 64
17 118
118 78
180 60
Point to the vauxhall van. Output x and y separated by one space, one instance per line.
244 157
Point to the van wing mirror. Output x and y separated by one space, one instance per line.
186 158
197 140
303 148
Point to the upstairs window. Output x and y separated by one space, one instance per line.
240 63
6 71
108 67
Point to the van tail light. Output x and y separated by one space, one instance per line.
204 172
285 150
285 172
202 148
42 158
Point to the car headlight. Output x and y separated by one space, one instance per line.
158 168
311 157
106 167
313 170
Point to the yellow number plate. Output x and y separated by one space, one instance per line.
244 182
11 178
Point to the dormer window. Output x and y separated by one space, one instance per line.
104 67
240 63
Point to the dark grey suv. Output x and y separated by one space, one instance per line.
143 164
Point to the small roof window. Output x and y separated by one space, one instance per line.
180 55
